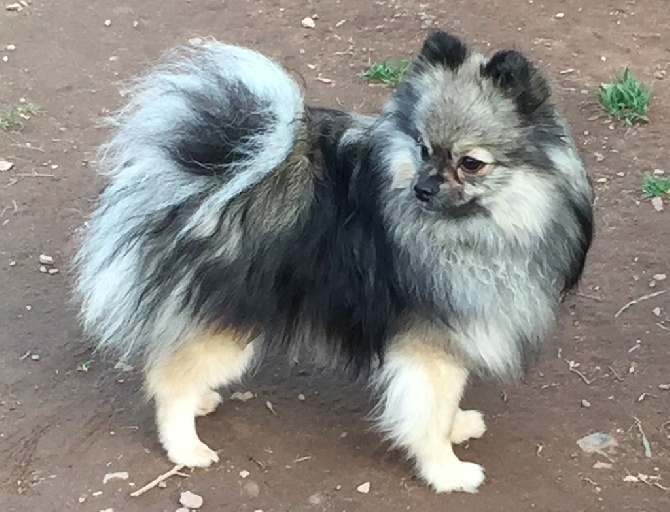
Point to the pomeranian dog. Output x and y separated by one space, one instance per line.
414 248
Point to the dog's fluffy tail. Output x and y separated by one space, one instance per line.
209 122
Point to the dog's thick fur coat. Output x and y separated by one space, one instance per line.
433 240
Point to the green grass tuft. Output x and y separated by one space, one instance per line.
12 119
84 366
388 72
655 186
626 99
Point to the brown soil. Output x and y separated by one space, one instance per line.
62 430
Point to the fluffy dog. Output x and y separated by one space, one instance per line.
414 247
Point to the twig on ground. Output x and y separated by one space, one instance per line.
154 483
583 377
34 175
616 375
637 301
26 146
645 441
587 296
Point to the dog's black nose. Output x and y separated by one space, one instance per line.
425 189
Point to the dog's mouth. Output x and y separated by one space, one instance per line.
438 206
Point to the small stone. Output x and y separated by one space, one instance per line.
5 165
81 499
35 357
196 41
658 172
182 509
657 203
621 174
119 475
244 474
53 271
656 311
46 260
14 7
107 510
12 263
586 404
96 494
5 58
631 478
664 387
597 442
316 499
308 23
136 24
340 23
301 397
660 277
602 465
43 269
559 15
252 489
599 156
242 397
190 500
364 488
602 180
162 485
108 23
11 47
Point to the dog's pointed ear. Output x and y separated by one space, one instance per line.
442 49
520 79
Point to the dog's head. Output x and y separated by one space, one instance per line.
478 136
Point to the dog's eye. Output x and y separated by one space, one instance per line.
425 152
471 165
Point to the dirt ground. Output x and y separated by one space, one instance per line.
67 418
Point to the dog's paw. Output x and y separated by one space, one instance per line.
454 475
208 404
467 425
197 455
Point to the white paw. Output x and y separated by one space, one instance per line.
467 425
197 455
455 475
208 404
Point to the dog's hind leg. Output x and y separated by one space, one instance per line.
421 387
183 387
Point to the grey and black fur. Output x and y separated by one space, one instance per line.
414 247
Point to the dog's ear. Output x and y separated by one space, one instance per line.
520 80
442 49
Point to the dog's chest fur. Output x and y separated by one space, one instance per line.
495 301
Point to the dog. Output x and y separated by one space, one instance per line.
416 247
